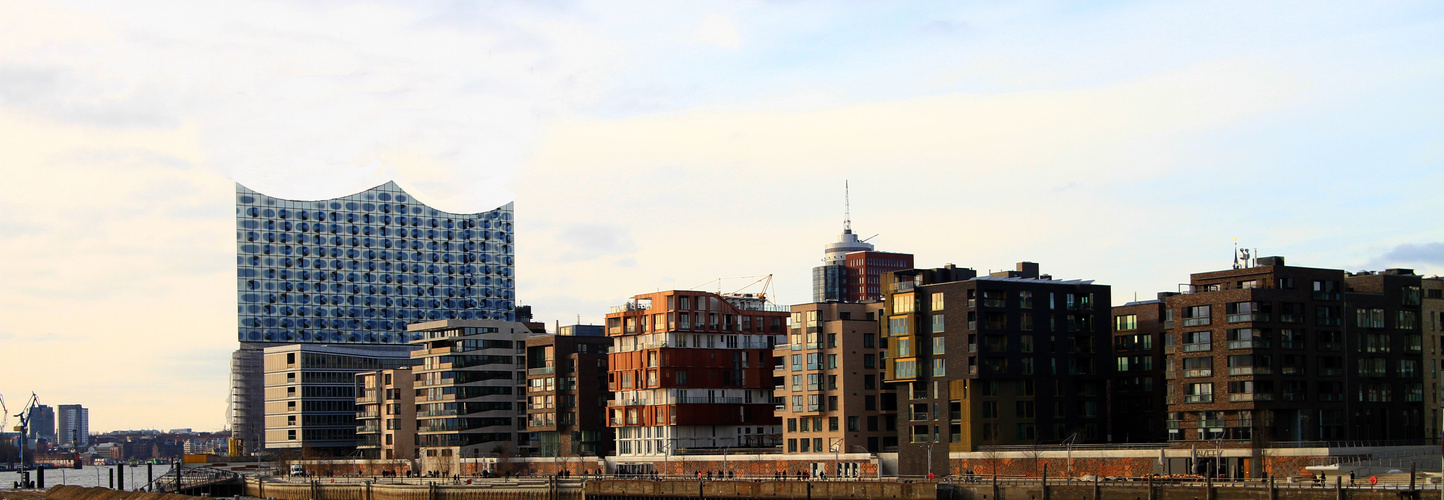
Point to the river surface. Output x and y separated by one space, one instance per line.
87 476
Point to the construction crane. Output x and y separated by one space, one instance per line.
24 429
766 281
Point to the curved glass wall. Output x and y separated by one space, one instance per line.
358 269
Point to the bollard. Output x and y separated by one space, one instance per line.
150 477
40 478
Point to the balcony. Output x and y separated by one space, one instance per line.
1203 321
1291 318
1254 343
813 345
1326 396
1328 296
626 402
1251 396
368 429
1198 398
1250 370
1204 372
1198 347
362 415
1212 423
545 370
707 400
1245 318
919 415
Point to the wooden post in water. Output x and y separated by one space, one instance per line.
1413 469
150 476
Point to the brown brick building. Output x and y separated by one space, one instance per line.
829 380
1009 358
386 414
1270 352
567 393
692 370
1137 409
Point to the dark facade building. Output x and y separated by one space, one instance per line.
1137 408
1270 352
567 392
1009 358
42 426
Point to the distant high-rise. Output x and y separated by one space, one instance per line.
73 425
42 425
851 270
357 270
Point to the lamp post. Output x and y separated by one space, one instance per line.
836 457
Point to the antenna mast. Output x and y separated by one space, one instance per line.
846 209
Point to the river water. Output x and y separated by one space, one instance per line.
87 476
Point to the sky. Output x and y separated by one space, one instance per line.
686 145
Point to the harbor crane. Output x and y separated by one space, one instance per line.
23 429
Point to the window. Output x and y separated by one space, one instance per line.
904 347
1125 322
868 340
796 362
869 382
1197 315
1201 366
1197 341
1369 318
903 303
1025 300
898 326
832 361
940 367
1199 393
851 424
937 304
869 361
937 323
938 345
1406 320
905 369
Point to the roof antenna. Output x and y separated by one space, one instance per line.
846 209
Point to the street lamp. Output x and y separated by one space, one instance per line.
837 457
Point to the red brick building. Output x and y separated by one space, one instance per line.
693 370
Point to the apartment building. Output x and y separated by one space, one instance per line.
470 385
1433 328
1269 352
829 379
1137 408
1013 357
566 392
693 370
386 414
310 393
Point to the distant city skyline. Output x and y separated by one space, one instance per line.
656 149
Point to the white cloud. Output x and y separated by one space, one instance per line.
721 31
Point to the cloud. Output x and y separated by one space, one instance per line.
1421 253
721 31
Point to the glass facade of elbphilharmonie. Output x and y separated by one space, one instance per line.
358 269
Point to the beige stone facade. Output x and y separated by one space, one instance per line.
830 381
386 414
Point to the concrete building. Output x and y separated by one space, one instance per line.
829 379
567 392
1433 327
693 370
356 270
42 426
1137 408
310 392
1269 352
1005 359
470 387
386 414
72 426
